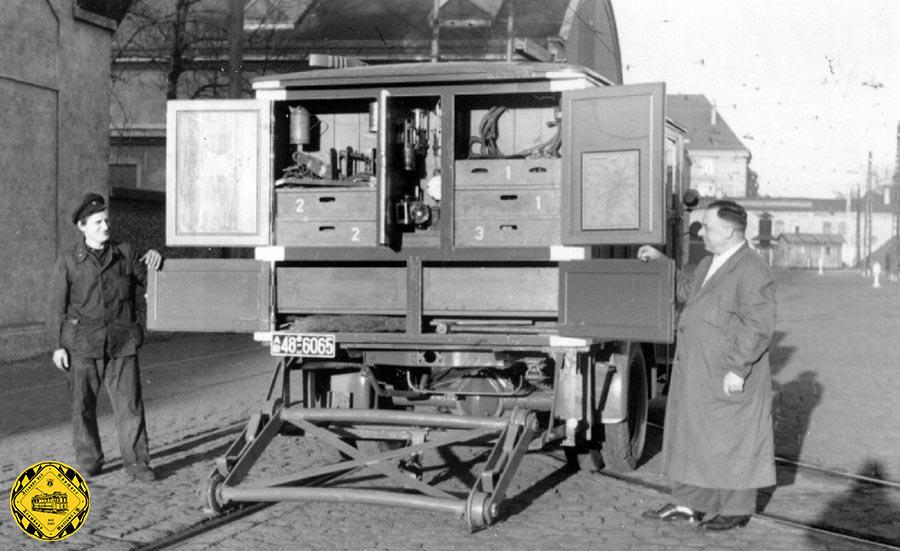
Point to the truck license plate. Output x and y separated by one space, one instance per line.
303 344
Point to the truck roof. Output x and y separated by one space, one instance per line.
433 73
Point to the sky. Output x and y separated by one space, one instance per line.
809 86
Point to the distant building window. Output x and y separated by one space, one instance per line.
707 167
842 228
796 228
123 175
827 250
826 227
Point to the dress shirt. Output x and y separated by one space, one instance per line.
720 259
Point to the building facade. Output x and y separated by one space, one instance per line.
718 159
54 83
843 217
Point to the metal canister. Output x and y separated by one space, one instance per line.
299 125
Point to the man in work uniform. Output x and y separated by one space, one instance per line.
95 336
718 446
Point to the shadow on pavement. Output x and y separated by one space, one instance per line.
165 470
521 501
866 510
792 409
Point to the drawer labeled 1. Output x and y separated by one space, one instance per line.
507 202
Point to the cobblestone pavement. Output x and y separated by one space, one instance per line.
549 507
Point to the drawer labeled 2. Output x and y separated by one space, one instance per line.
507 202
327 204
518 232
325 233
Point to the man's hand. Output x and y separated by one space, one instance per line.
647 252
152 259
733 384
61 359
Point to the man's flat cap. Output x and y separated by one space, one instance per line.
91 203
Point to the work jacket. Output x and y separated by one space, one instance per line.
92 302
711 439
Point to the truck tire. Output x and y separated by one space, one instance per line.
623 443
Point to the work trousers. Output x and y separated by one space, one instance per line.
714 501
122 379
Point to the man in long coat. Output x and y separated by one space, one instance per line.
718 446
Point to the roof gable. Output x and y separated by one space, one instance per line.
694 113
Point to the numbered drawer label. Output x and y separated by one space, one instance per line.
536 232
347 233
478 173
325 205
528 202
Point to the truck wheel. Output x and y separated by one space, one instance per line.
624 442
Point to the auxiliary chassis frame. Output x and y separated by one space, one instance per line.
337 427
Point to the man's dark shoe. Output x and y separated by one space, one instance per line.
724 522
141 473
670 512
88 471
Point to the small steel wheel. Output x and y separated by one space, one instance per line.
212 501
478 514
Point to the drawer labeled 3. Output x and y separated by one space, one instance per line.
517 232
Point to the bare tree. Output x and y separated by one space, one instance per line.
187 41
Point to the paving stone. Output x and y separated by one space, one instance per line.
548 508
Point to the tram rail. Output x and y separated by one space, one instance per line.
842 534
839 534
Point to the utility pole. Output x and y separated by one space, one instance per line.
236 49
858 247
235 74
867 229
895 197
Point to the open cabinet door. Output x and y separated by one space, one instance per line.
228 295
218 173
613 193
616 299
613 165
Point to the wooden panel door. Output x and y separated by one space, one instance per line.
230 295
618 300
613 190
218 173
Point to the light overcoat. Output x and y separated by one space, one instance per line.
711 439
